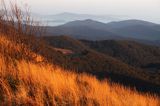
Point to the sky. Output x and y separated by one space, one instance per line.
138 9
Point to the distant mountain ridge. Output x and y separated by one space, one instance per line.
132 22
137 29
62 18
94 30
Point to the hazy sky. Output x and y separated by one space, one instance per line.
141 9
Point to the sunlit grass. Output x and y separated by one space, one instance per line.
23 82
27 79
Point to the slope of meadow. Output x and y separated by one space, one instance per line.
26 79
29 79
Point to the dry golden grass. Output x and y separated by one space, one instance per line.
26 79
23 82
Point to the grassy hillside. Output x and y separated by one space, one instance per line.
29 80
32 73
101 62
